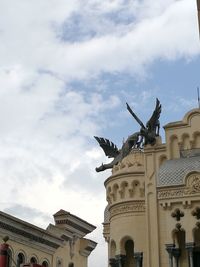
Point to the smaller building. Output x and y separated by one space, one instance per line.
62 244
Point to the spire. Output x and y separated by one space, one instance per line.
198 9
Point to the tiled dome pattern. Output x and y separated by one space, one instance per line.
173 172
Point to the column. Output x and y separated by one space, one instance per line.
176 252
4 255
138 256
190 247
169 248
120 259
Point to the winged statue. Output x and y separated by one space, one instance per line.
146 135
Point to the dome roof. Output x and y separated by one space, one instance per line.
173 172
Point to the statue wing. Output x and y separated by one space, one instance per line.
154 120
109 148
135 116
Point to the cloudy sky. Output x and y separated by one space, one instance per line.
67 68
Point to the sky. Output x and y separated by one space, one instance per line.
67 69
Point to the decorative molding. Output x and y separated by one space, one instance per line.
196 213
106 231
135 159
125 189
177 214
132 207
193 183
72 246
192 188
28 235
87 248
187 204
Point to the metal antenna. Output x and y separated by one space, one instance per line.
198 97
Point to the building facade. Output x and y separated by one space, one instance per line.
62 244
153 214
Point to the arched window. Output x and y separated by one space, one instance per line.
45 264
20 259
59 263
9 257
71 265
129 248
179 240
33 260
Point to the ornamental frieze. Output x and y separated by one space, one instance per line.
192 188
132 207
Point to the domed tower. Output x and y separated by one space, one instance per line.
126 222
153 214
124 225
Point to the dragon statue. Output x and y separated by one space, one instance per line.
146 135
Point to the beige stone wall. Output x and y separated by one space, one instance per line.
64 254
29 250
183 135
126 197
142 211
59 246
61 254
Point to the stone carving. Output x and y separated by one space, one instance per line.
126 189
106 231
196 213
136 206
142 190
178 228
192 187
177 214
193 183
134 160
146 135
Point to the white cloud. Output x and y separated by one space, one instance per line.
169 33
47 124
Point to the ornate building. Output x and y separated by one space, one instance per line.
60 245
153 214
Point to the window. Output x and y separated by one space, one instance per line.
33 260
9 257
20 259
45 264
59 263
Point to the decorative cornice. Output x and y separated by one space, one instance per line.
124 175
72 223
28 235
88 248
127 207
106 231
192 188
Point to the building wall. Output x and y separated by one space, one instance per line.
58 246
154 198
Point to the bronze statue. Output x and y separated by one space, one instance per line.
146 135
